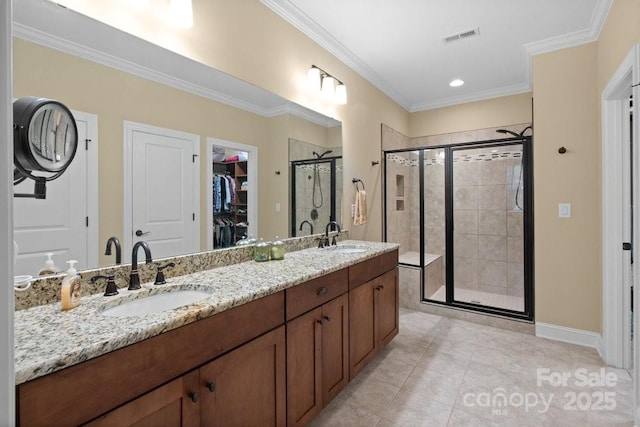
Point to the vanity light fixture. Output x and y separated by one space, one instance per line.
323 82
182 13
456 83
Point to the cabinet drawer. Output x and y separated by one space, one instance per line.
311 294
370 269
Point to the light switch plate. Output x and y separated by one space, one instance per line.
564 210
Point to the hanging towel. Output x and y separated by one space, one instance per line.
360 215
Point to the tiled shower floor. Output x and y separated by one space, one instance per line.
508 302
440 371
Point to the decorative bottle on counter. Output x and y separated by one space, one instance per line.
277 249
71 287
262 251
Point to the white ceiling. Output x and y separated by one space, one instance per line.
397 44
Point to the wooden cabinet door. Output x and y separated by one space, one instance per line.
304 365
246 387
387 312
362 330
335 347
173 404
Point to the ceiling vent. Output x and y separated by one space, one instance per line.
461 35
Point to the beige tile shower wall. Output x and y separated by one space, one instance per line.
400 213
488 242
434 204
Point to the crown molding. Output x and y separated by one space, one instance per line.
477 96
307 26
183 73
39 37
293 15
576 38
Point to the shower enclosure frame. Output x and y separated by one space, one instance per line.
528 236
333 181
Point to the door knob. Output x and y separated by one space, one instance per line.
141 233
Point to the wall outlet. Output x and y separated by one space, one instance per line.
353 210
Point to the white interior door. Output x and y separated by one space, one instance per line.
164 201
66 222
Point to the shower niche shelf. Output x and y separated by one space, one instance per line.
400 192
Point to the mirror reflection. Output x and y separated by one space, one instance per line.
316 186
119 112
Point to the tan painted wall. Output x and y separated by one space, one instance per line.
567 251
472 115
116 96
246 39
567 86
619 33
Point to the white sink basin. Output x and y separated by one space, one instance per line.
347 249
156 303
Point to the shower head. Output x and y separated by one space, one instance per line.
512 133
505 131
319 156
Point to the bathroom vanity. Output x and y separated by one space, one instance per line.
272 348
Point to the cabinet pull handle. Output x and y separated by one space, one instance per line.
323 290
327 318
194 396
211 386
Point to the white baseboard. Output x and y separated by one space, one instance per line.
570 335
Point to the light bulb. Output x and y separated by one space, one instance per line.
313 78
181 13
329 87
341 94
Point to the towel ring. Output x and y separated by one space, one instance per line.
356 181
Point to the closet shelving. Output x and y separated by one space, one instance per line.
238 213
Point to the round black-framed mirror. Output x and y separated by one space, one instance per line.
45 139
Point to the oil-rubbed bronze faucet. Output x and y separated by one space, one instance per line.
134 279
310 226
326 233
116 242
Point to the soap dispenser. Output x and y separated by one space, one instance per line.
49 266
71 287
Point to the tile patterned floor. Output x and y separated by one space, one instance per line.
445 372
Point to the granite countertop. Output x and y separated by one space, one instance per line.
48 339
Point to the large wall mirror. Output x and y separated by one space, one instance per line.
111 80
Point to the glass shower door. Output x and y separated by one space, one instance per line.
488 223
316 194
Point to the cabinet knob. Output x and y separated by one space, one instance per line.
211 386
194 396
327 318
320 322
323 290
379 288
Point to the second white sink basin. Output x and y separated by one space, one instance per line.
347 249
156 303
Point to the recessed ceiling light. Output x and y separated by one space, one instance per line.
456 83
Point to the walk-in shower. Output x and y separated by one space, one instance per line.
462 216
315 192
